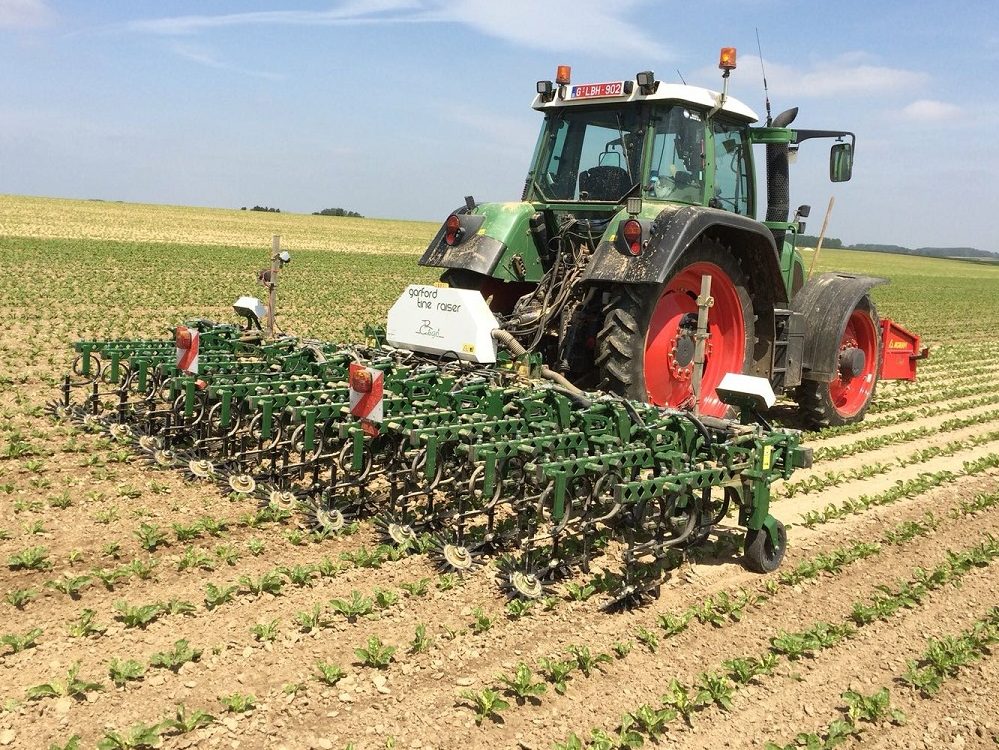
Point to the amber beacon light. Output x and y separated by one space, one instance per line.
726 60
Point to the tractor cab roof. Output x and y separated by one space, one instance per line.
626 92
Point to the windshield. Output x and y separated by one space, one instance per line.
676 170
591 154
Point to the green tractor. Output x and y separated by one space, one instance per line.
637 190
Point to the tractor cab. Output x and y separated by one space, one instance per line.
602 143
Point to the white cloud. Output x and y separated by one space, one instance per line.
847 75
523 22
204 56
25 14
931 110
595 26
347 12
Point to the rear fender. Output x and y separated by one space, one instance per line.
826 301
669 236
495 241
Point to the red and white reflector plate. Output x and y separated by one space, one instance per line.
367 396
597 90
187 349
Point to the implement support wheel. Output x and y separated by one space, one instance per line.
761 554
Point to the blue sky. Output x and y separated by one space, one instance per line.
399 108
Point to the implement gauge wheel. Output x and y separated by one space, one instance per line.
645 349
760 555
846 397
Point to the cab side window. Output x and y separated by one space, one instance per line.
731 191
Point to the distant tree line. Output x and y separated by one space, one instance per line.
810 240
337 212
263 208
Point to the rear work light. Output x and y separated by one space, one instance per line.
632 232
360 379
452 230
182 337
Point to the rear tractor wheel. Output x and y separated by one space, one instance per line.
847 396
645 349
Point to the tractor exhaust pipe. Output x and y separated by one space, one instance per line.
779 179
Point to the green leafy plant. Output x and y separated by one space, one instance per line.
300 575
585 661
311 619
179 607
215 596
70 585
522 685
182 721
137 617
85 625
73 686
195 558
672 624
872 709
678 698
648 639
487 704
357 606
238 703
622 648
331 674
652 721
557 672
123 672
375 653
269 582
181 654
580 592
33 558
421 642
151 536
256 547
19 598
143 569
517 608
481 623
416 588
139 737
265 631
714 688
229 555
19 643
385 599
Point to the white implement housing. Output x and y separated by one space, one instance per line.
443 321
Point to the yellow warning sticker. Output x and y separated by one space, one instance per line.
768 456
468 348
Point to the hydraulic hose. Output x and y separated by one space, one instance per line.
517 349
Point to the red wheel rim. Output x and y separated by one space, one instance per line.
850 393
667 379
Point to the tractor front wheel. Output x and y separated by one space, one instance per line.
645 349
845 398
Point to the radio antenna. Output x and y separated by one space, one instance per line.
766 93
681 77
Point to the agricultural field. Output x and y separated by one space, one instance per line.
141 609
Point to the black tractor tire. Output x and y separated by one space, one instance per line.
817 405
760 555
621 342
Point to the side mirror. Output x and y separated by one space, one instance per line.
841 162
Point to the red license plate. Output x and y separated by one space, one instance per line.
597 90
